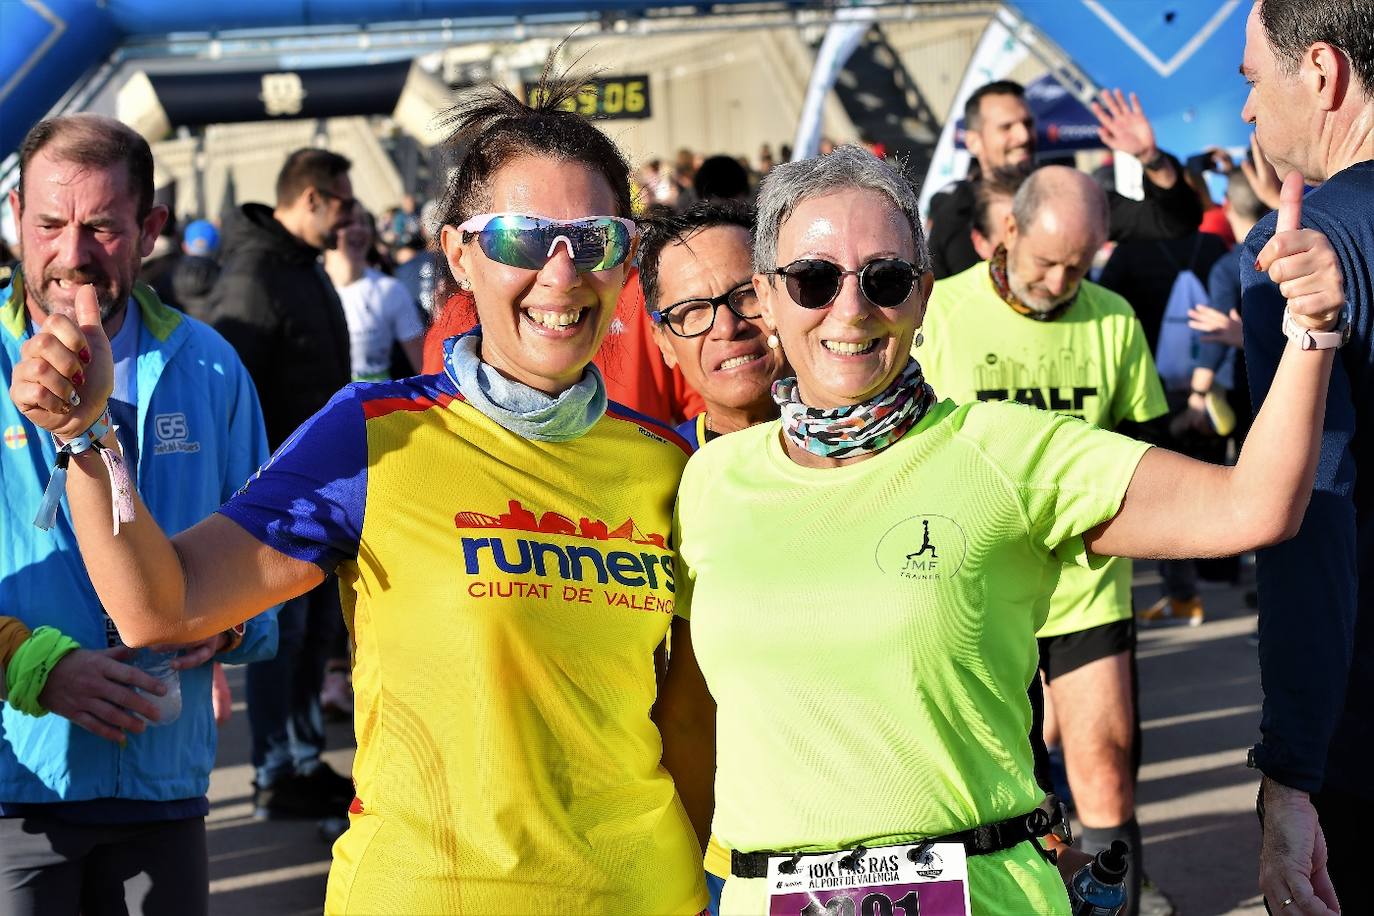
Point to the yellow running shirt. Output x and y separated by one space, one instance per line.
504 598
1093 362
869 630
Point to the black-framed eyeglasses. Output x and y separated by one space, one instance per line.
814 284
694 317
347 203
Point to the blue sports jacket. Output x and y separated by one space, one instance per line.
201 436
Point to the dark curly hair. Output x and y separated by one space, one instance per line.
492 128
658 231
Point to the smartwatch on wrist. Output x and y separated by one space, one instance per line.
1308 339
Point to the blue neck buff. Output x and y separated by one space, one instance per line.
518 407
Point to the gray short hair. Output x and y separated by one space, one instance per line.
1040 188
790 183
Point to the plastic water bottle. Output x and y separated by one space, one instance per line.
159 665
1099 888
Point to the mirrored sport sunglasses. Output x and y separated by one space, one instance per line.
694 317
814 284
519 240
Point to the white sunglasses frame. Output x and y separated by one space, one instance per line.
479 222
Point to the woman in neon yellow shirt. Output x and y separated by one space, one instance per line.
500 532
865 577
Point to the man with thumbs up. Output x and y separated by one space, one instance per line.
1310 66
98 806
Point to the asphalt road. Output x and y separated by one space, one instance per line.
1200 701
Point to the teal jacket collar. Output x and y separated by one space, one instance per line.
160 320
164 330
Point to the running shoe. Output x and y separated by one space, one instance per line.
1153 901
318 794
1171 611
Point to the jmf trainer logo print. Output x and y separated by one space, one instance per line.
922 548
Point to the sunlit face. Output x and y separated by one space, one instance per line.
1005 134
80 225
1285 118
355 238
540 327
999 208
1047 261
851 350
730 365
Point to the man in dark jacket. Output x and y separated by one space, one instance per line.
273 301
1310 66
275 304
1000 132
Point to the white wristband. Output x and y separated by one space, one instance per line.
1308 339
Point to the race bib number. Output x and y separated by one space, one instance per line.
911 880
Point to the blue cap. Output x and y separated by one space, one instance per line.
201 238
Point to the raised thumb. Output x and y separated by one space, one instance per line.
1290 203
88 312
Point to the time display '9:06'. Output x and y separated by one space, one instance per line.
604 97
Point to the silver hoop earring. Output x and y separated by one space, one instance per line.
773 342
920 339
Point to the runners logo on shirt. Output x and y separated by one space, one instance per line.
585 574
923 548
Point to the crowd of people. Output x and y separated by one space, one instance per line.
691 538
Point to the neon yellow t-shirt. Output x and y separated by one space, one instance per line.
1093 363
504 597
869 630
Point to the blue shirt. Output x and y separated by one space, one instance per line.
124 397
1223 288
1316 591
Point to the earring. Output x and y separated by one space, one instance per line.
465 284
920 339
773 342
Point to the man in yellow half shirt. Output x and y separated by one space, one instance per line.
1026 326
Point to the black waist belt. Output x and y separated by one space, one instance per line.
976 842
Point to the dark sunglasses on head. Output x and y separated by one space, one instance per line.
814 284
528 242
694 317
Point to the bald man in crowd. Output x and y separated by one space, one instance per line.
1026 326
1000 133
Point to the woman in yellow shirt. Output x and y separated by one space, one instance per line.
500 533
864 578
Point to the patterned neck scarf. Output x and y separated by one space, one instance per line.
859 429
997 269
